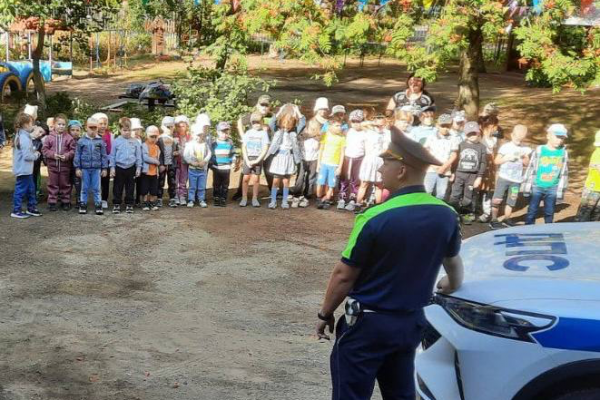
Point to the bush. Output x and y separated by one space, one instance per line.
221 94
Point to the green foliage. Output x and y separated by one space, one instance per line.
58 103
558 54
222 94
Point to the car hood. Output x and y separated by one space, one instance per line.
551 261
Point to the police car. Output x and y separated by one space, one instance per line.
526 323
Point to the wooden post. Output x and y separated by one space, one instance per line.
91 53
7 46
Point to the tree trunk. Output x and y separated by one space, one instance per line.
481 60
38 80
468 83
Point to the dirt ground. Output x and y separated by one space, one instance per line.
190 303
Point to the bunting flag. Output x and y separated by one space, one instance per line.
537 6
427 4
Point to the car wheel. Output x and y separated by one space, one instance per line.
577 394
9 88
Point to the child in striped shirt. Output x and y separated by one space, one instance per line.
223 156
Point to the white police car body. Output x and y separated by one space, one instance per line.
526 323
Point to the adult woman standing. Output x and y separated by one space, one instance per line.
414 96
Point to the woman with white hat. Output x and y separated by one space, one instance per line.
182 135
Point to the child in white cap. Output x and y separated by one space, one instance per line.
167 125
106 135
309 142
139 134
547 175
91 163
150 168
169 150
182 136
197 155
589 209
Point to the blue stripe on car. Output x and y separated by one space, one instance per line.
572 334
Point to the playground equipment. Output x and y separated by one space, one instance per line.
16 76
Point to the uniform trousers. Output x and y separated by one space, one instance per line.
378 347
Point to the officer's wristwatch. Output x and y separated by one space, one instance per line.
324 317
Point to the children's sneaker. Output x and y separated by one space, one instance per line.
484 218
117 209
243 202
320 204
99 210
272 205
285 204
104 204
173 203
52 207
146 207
129 209
203 204
295 202
217 202
508 222
19 215
159 203
182 200
66 206
82 209
34 212
223 202
494 225
255 203
154 207
351 206
326 205
190 204
303 202
341 204
468 219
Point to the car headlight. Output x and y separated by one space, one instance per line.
492 320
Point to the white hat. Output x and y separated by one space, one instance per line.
100 116
152 128
459 116
338 109
31 110
321 104
558 130
168 120
92 120
136 123
203 119
182 118
197 130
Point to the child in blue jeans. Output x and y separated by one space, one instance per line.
24 156
91 163
197 155
547 175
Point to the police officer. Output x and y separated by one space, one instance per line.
388 272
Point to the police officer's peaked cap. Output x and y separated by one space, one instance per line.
411 152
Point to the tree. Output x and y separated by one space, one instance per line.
320 33
48 15
559 54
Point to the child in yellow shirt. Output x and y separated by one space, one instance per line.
589 209
329 166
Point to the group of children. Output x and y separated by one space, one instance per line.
334 157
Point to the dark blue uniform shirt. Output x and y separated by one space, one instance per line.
399 246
